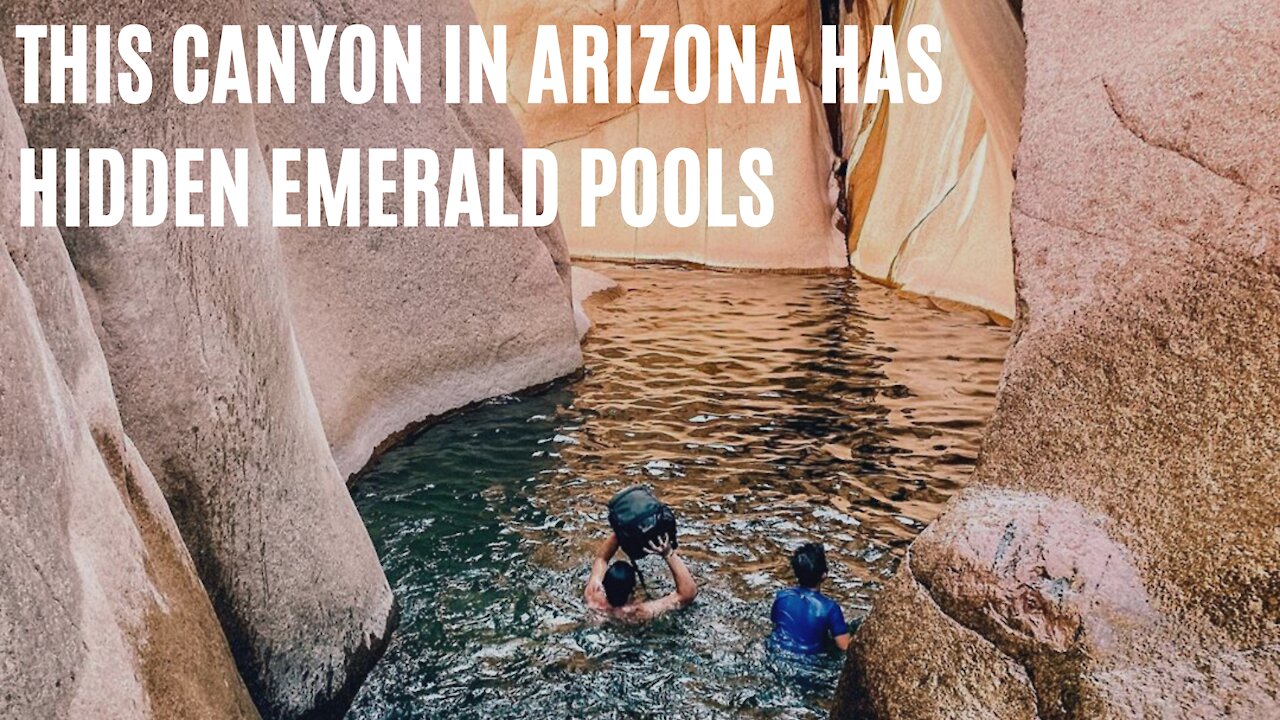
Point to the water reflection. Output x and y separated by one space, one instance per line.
768 410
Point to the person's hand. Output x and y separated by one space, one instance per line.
595 587
661 548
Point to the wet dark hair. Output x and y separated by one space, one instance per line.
809 562
619 582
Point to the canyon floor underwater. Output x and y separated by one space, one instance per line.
768 410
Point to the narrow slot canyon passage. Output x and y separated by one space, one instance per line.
211 507
768 410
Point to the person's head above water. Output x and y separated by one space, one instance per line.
809 562
619 582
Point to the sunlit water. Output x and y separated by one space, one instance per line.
768 410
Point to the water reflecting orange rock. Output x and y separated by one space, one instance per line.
767 409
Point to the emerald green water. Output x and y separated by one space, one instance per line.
767 410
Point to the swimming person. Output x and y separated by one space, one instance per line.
803 618
610 587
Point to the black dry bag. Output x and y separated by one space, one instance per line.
638 518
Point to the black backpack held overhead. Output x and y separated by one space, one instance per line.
638 518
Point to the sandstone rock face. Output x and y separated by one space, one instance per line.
397 324
929 187
1120 542
959 674
803 233
926 192
206 335
196 330
101 612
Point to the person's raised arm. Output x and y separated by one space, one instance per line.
599 566
686 588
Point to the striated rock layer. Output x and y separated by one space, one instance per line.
916 197
101 612
1119 546
928 187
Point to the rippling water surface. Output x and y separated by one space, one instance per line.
768 410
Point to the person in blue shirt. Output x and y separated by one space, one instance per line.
803 618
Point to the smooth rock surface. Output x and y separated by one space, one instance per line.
929 187
197 334
1120 543
926 195
548 123
803 232
101 612
398 324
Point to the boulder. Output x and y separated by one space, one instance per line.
197 335
1119 541
957 673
